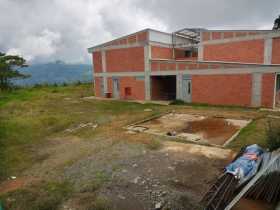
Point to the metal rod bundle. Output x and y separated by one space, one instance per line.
267 188
221 193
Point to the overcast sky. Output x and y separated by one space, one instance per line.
49 30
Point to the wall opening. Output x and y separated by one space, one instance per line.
277 96
163 87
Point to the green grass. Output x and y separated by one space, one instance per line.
45 196
210 106
28 117
254 133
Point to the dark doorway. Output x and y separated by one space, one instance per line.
163 87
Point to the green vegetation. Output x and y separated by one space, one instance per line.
45 196
31 118
154 144
28 117
254 133
8 70
273 135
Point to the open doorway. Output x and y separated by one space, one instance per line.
277 96
163 87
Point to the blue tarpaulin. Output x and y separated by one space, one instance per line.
246 166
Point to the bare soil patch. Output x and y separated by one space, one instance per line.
215 130
192 127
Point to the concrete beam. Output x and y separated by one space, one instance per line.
195 72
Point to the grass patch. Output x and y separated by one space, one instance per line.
254 133
209 106
46 196
273 135
101 203
154 144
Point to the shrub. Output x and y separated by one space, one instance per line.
178 102
273 135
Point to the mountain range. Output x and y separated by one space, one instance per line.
58 72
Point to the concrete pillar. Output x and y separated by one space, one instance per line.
267 51
179 80
147 57
200 52
256 94
104 69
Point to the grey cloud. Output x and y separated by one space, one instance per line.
61 29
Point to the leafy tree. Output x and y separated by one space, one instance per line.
9 65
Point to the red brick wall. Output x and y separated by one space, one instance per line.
268 84
125 60
276 51
97 86
131 39
137 88
244 51
97 61
222 89
226 34
205 36
161 52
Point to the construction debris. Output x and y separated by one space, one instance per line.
82 125
267 188
254 173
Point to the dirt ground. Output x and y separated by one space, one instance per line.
206 129
245 204
172 177
126 171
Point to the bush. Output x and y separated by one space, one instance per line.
273 135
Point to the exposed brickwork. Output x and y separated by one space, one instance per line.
137 88
228 35
97 86
97 62
222 89
182 66
244 51
268 84
276 51
141 37
216 35
125 60
161 52
205 36
132 39
241 33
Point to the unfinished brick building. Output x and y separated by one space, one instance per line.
223 67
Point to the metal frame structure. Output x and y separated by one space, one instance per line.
192 35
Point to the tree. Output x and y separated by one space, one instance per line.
277 24
9 65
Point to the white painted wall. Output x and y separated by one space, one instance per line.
156 36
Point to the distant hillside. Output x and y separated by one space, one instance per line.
55 73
